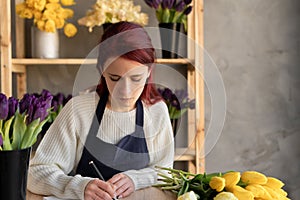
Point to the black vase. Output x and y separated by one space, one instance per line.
13 174
173 40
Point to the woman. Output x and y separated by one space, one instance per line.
123 127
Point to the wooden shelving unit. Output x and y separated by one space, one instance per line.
195 133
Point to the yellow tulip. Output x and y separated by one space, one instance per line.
253 177
217 183
67 2
231 179
70 30
273 194
188 196
257 190
274 183
242 193
225 196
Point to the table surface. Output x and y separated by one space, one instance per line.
149 193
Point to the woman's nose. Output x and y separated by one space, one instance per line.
125 87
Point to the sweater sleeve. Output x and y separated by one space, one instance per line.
160 146
55 159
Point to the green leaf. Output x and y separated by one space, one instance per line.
166 16
35 133
6 138
29 132
19 128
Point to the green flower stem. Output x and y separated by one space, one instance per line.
175 171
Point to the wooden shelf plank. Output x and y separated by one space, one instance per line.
79 61
184 154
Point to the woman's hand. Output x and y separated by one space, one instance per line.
98 189
123 184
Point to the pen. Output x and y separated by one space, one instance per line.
96 169
98 172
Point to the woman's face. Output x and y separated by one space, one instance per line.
125 80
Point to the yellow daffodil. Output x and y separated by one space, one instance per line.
53 1
68 13
67 2
50 26
39 5
253 177
40 24
217 183
70 30
231 179
225 196
48 15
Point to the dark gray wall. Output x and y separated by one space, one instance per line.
256 46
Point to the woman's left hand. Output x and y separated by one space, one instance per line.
123 184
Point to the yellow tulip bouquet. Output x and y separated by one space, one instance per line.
48 15
233 185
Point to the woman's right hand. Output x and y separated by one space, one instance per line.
98 189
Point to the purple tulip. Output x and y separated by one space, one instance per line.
60 98
12 105
3 106
40 112
180 6
187 2
167 94
25 102
188 10
167 4
153 3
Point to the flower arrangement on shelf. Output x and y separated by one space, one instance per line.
107 11
178 101
171 11
48 15
21 121
233 185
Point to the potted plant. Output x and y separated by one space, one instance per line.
178 103
20 123
104 12
172 18
48 16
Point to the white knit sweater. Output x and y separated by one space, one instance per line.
61 148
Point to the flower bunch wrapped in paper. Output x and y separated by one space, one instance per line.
22 120
107 11
249 185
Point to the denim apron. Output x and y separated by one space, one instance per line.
130 153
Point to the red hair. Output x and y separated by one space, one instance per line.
132 45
